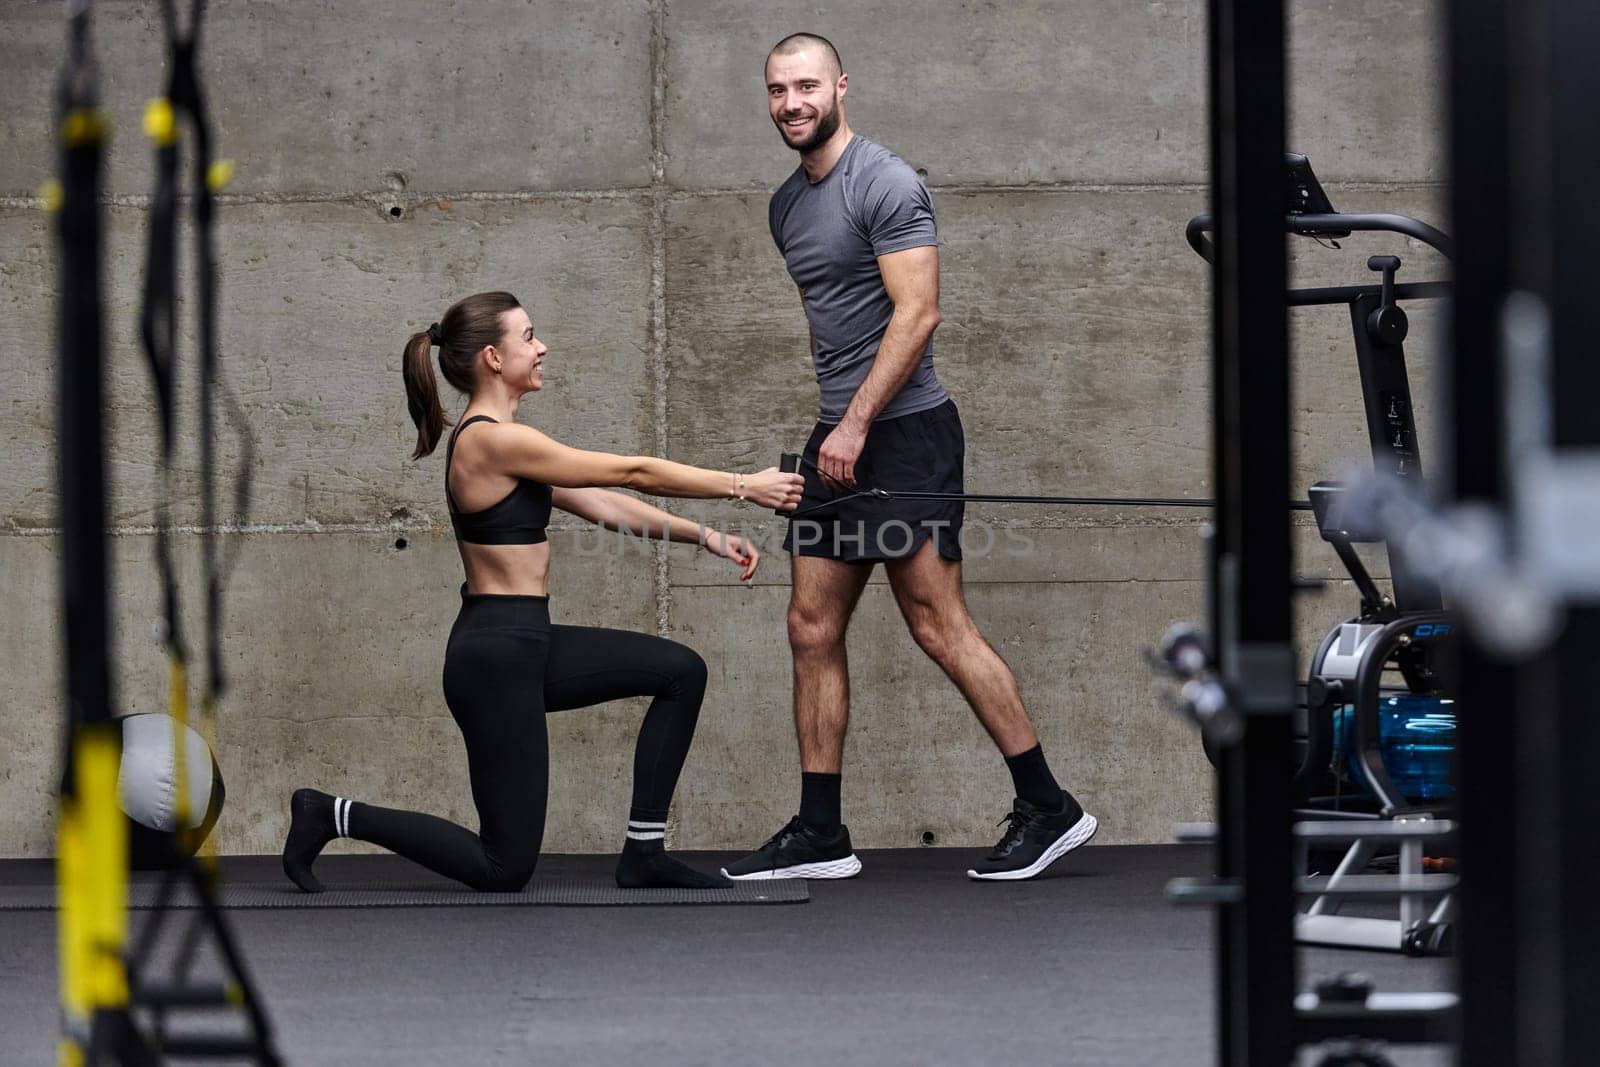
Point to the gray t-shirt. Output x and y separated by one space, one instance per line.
831 233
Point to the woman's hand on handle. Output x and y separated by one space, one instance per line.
737 549
774 489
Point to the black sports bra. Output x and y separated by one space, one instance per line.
518 518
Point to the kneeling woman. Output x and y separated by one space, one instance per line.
506 666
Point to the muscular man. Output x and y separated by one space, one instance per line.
856 229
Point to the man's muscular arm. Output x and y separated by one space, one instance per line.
811 335
911 279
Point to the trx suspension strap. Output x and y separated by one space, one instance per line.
158 333
91 836
176 987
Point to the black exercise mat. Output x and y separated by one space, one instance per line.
582 893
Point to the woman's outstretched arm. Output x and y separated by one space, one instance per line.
524 452
618 511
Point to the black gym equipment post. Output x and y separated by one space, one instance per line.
1251 551
1557 193
1488 739
1526 161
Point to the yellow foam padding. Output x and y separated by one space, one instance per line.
84 125
159 124
69 1053
103 867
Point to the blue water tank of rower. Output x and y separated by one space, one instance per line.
1417 736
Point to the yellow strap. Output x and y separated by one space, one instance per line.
103 867
178 695
69 915
207 852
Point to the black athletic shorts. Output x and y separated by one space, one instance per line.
923 452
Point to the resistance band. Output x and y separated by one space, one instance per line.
791 462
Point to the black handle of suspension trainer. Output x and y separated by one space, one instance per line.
788 463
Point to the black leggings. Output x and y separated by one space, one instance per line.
505 668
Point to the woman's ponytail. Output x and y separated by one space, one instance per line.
422 393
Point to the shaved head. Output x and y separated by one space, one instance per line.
805 97
796 43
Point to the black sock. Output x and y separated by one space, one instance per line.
1031 776
646 825
314 820
819 801
646 865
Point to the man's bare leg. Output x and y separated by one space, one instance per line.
816 844
1047 822
822 598
928 589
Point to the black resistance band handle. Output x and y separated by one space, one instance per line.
788 463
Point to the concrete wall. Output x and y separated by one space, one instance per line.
610 163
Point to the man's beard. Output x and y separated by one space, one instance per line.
827 126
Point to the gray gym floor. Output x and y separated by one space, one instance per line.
909 963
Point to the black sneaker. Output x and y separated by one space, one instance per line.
798 851
1035 839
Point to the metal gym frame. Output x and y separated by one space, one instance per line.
1522 448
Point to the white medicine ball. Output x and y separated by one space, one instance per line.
147 788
